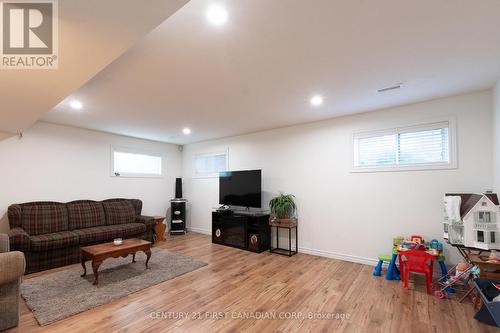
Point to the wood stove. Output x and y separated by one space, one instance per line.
178 210
178 216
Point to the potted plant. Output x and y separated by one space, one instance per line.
283 210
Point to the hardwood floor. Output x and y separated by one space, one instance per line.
236 283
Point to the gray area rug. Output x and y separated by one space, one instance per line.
62 294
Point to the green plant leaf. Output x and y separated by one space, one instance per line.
283 206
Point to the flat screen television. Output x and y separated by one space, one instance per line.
240 188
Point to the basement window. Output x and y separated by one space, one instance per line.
209 165
421 147
126 162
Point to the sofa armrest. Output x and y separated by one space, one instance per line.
12 266
19 240
149 221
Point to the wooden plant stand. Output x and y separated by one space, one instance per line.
290 225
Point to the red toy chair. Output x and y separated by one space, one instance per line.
418 262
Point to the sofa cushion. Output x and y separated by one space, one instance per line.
109 232
44 219
120 212
85 214
135 202
53 241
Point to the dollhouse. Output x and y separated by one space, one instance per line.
472 220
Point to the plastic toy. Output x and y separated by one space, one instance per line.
417 261
461 268
387 258
417 239
415 242
392 270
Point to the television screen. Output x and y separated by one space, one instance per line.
240 188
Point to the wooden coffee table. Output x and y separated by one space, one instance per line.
98 253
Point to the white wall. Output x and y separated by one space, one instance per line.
496 137
61 163
353 215
342 214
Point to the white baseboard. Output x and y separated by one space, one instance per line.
339 256
333 255
320 253
200 230
360 260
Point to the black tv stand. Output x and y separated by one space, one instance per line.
246 231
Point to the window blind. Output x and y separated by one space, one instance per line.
422 145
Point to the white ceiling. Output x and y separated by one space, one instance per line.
92 33
259 70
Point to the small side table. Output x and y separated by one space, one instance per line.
487 269
285 252
160 228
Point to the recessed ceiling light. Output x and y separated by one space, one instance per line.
186 131
316 100
216 14
76 105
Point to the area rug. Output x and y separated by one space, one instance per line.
62 294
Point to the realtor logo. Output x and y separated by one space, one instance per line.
29 38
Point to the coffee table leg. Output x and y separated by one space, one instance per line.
148 254
84 268
133 257
95 268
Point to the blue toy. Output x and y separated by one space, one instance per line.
392 270
399 243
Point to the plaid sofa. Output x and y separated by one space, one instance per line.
50 233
